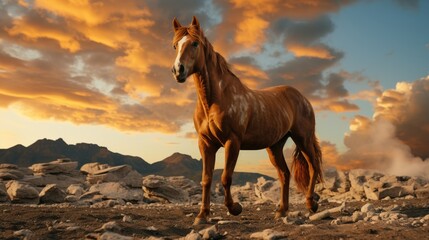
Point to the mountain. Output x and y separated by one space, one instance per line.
46 150
177 164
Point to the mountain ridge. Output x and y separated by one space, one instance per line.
177 164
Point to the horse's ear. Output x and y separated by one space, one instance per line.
195 22
176 24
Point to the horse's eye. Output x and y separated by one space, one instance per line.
174 46
194 44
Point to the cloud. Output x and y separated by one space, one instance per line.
107 62
395 139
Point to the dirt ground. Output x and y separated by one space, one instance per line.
174 221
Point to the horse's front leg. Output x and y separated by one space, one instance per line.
208 154
232 148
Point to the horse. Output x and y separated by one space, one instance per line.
228 114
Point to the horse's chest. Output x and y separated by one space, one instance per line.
217 126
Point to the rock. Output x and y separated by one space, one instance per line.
4 197
52 194
24 234
91 168
127 218
327 213
358 177
109 226
396 191
158 188
117 190
422 192
64 165
63 181
10 174
210 233
357 216
123 173
269 234
75 189
267 190
367 208
71 198
105 204
20 192
192 236
113 236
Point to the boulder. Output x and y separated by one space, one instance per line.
63 181
117 190
63 165
422 192
358 177
123 173
10 174
4 197
21 192
267 190
269 234
52 194
75 189
167 189
390 192
91 168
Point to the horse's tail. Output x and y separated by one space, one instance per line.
300 165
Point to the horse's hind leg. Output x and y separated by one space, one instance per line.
306 143
275 153
232 148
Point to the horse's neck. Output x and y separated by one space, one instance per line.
212 86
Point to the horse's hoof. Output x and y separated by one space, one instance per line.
279 214
316 197
235 209
313 206
200 221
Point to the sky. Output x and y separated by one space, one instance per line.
99 72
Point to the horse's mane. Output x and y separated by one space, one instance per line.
211 54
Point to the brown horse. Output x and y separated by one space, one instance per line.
230 115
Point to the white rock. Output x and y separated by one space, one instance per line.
192 236
75 189
62 180
327 213
117 190
55 167
91 168
123 173
20 192
168 189
114 236
269 234
267 190
110 226
367 208
24 233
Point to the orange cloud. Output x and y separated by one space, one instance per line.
309 51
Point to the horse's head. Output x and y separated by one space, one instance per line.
188 43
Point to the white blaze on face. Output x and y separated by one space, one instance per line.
179 51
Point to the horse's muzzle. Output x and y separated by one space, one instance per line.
179 75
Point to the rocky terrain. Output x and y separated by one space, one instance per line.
177 164
98 201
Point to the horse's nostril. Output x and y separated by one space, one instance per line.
181 69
